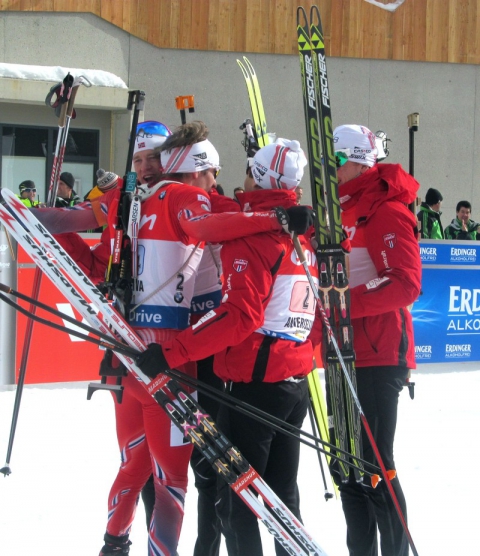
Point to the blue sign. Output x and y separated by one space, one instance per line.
446 316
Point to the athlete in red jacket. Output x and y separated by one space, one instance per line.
261 335
384 277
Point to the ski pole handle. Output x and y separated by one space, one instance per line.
304 263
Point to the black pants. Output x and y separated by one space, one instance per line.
272 454
208 523
366 508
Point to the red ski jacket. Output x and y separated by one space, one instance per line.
261 330
384 265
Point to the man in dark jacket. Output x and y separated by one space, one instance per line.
384 277
429 216
66 196
463 227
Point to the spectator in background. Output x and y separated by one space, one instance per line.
299 193
238 191
463 227
28 191
429 216
66 196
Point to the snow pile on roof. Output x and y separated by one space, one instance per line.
98 78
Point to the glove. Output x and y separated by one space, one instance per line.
152 362
295 219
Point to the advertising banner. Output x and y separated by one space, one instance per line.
54 355
446 316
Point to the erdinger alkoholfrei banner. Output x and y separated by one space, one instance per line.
446 315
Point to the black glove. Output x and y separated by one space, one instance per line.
296 219
152 361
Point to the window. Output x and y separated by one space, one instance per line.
28 153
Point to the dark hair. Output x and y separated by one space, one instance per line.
463 204
186 134
220 190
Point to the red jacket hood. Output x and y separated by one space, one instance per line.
383 182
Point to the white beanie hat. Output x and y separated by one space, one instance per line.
279 165
358 142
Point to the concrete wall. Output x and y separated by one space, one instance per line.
378 94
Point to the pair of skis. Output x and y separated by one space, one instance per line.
317 408
194 423
333 295
334 292
256 102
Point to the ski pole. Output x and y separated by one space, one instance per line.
66 98
366 426
326 494
107 342
413 121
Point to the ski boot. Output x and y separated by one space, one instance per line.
115 545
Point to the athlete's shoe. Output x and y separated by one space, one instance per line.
115 545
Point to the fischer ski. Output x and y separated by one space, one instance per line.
195 424
329 235
256 102
333 294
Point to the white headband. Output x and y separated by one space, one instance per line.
191 158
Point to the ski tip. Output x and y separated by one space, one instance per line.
301 14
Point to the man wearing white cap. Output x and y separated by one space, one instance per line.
384 277
260 337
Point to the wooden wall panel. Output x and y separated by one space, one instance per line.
421 30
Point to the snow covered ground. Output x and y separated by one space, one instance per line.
65 458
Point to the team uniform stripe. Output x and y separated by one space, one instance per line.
177 156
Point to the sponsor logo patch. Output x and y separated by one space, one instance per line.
240 265
390 240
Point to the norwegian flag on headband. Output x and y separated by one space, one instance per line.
240 265
390 240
